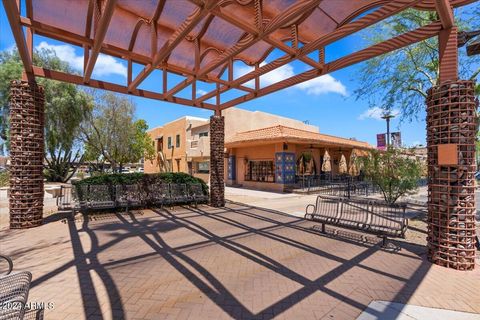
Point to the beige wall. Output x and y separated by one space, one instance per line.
239 120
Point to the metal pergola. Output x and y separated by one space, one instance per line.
183 38
201 40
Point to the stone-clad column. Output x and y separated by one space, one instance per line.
217 139
451 135
26 153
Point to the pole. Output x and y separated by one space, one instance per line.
388 133
388 116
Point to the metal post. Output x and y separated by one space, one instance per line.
388 116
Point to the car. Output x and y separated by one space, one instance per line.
140 169
3 169
477 175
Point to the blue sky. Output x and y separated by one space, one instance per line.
326 102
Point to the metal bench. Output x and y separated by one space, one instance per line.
364 215
196 194
14 288
160 194
94 197
178 193
128 196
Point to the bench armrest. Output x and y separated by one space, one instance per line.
309 213
10 264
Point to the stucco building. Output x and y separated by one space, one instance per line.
262 150
273 158
181 145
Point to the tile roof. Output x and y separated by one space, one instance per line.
281 133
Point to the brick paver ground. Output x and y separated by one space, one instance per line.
236 262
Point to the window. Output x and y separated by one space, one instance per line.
169 142
177 141
203 134
203 167
260 171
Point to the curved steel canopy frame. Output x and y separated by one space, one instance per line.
270 29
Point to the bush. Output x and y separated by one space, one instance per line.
143 179
4 176
395 174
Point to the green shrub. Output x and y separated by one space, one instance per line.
395 174
143 179
4 176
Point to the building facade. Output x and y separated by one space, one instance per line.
275 158
181 146
262 150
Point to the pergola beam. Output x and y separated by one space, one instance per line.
382 13
78 40
99 37
291 13
78 80
13 15
275 43
376 50
187 26
445 13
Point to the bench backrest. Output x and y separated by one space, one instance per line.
196 190
159 191
327 207
361 214
387 217
178 190
354 214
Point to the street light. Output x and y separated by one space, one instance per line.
388 116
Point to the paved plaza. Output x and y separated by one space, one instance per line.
240 262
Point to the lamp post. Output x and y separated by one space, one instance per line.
388 116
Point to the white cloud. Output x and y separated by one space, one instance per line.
323 84
377 113
316 86
105 65
201 92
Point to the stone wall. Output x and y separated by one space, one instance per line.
217 174
26 152
451 135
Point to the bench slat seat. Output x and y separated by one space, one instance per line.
367 215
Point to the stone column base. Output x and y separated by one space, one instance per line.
451 135
26 152
217 149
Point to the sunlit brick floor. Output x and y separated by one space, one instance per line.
237 262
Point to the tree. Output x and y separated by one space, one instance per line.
400 79
112 134
395 174
65 108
